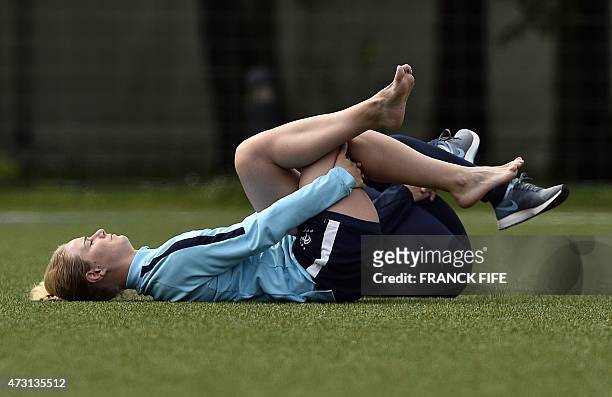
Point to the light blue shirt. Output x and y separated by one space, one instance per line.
251 260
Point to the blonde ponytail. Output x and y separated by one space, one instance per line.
40 293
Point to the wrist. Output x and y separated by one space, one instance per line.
346 177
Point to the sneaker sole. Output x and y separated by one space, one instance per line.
470 154
526 214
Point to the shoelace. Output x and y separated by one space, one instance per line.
446 135
520 183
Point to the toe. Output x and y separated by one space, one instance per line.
399 73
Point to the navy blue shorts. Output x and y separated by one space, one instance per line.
328 246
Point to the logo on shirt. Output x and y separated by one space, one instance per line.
306 239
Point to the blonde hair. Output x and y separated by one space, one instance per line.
65 279
40 293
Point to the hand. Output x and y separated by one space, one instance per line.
421 193
342 160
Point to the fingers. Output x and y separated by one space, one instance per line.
354 168
341 157
343 150
357 174
425 192
358 164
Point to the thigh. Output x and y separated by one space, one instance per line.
263 181
357 205
431 150
444 214
421 222
399 214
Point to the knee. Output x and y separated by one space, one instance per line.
363 139
248 154
357 141
357 146
243 156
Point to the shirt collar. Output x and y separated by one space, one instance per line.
140 259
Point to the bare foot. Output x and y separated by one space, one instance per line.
477 181
391 101
512 163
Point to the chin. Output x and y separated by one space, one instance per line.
127 241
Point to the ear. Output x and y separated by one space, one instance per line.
96 274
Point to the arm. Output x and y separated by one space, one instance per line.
293 210
261 230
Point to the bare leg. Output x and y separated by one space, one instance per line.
384 159
357 204
265 161
302 142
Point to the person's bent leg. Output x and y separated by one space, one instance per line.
264 162
439 209
357 205
428 150
432 151
513 202
264 182
396 210
298 144
302 142
494 196
385 159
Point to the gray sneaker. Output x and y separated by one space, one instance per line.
464 144
525 200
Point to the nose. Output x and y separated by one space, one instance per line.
99 233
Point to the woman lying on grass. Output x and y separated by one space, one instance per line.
260 258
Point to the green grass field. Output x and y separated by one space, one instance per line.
473 345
